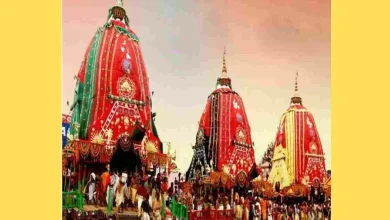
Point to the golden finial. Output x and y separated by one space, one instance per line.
224 69
296 99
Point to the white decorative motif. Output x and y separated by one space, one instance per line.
126 121
235 105
125 49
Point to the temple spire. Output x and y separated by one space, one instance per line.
119 3
224 81
224 69
296 99
296 92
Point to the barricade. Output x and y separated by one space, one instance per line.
211 214
72 200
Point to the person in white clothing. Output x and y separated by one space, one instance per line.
228 206
120 195
90 189
145 216
115 181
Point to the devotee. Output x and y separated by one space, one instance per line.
154 192
115 178
239 208
227 205
164 188
168 212
120 195
247 207
269 214
304 211
171 190
326 212
263 206
252 210
133 191
105 178
157 207
296 212
145 206
275 212
201 204
158 181
220 204
320 212
257 211
90 189
313 212
110 192
141 195
290 213
126 191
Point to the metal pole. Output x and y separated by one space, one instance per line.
66 171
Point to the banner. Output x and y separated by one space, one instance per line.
65 129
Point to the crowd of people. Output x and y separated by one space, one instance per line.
151 195
251 204
129 191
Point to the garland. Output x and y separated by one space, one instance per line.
84 150
122 30
95 151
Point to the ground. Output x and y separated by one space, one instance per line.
92 210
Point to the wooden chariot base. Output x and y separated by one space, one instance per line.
92 212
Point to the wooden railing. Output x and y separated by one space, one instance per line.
72 200
179 211
211 214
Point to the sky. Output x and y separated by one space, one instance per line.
182 41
